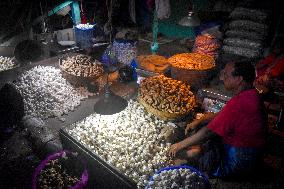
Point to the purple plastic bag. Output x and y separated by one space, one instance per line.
79 185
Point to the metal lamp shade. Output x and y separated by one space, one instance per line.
190 21
110 104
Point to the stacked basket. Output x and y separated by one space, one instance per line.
207 44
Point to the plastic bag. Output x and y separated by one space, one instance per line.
206 44
213 31
109 58
163 9
125 50
62 154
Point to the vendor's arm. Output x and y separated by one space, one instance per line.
205 118
201 135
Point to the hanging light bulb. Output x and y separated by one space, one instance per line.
190 20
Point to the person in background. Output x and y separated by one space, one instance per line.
270 70
11 108
241 126
144 10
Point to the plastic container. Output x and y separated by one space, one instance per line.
79 185
84 36
192 169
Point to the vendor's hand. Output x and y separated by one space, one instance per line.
191 126
174 149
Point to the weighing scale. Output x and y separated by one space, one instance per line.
212 100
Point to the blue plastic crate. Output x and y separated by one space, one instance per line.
84 37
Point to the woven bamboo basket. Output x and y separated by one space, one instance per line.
166 116
195 78
75 80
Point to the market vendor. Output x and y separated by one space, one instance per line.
241 126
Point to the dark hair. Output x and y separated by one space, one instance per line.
245 69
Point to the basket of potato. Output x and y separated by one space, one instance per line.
80 69
193 68
60 170
166 98
153 63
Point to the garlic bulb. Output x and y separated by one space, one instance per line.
47 94
6 63
128 140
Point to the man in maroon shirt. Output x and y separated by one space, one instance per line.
241 125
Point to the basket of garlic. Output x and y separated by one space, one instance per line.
193 68
80 69
52 172
166 98
183 176
122 150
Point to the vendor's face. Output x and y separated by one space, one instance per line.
230 82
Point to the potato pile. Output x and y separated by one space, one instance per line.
81 65
167 95
154 63
54 176
192 61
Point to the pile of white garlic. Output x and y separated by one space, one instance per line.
47 94
181 178
6 63
130 140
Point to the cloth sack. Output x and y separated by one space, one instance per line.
163 9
